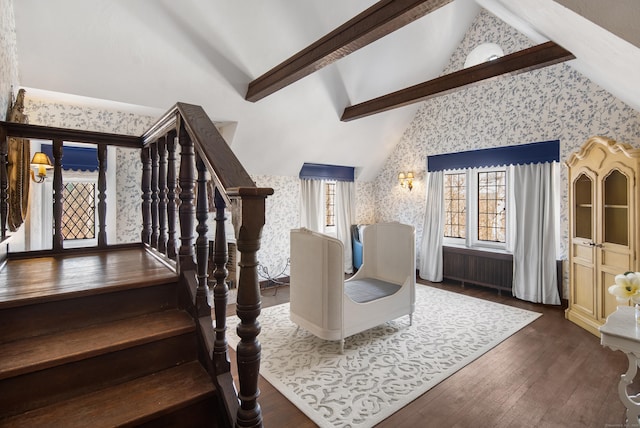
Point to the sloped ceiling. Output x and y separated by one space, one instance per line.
156 52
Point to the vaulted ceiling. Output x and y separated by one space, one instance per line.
153 53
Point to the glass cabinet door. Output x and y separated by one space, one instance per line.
583 210
616 208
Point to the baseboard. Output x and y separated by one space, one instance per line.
277 282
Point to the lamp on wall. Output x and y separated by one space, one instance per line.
406 180
43 163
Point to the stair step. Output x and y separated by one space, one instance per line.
28 320
128 404
41 352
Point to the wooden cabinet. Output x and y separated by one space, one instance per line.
603 210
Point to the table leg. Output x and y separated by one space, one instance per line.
633 407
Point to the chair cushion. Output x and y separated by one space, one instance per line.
369 289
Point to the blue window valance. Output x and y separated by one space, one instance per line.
75 158
316 171
545 151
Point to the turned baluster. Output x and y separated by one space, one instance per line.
162 202
186 210
57 196
202 243
102 196
145 157
4 183
171 195
154 195
220 290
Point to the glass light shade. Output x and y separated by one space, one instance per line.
41 160
410 175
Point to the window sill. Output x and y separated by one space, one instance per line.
477 248
461 249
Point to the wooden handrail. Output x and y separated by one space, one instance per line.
24 130
59 136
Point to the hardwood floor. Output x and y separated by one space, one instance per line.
36 279
550 374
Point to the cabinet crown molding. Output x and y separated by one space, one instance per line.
600 142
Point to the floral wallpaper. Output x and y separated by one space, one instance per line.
129 173
282 215
552 103
8 56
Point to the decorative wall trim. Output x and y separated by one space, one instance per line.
542 152
316 171
75 158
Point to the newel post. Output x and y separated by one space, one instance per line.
248 215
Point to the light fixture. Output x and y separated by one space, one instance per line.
406 180
40 160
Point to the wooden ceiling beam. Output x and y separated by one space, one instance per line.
533 58
374 23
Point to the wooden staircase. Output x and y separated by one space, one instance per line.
122 356
89 360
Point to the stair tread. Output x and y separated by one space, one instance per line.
132 402
37 353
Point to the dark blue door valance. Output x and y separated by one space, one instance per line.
545 151
75 158
316 171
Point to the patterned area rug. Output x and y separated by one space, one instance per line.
385 368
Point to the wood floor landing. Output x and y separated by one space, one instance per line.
27 281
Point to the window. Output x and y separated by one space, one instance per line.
492 206
79 213
455 202
475 204
330 203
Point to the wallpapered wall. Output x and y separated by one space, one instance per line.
8 56
552 103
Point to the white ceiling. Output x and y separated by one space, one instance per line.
155 53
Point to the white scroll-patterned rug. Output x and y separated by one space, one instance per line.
385 368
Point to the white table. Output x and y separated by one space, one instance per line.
621 332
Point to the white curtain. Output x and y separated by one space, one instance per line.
433 230
534 251
312 205
345 217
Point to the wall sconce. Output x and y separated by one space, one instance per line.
406 180
40 160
